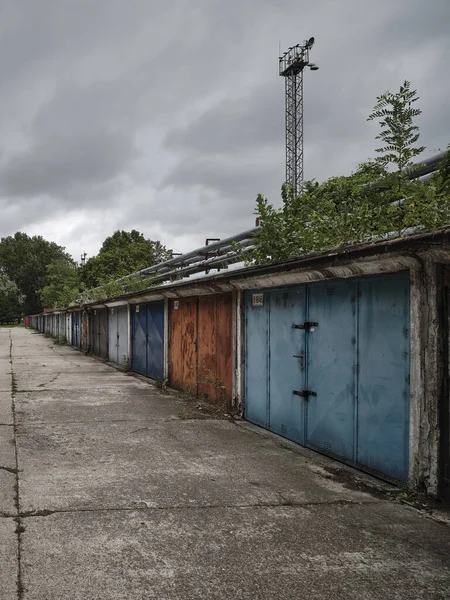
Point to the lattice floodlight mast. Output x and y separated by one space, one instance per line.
292 64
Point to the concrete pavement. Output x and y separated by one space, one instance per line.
126 493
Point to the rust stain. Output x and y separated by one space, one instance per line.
182 350
200 348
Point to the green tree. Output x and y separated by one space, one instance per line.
24 260
63 283
10 301
121 254
396 114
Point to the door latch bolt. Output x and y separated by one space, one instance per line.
304 393
306 325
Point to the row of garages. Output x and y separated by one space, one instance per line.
346 354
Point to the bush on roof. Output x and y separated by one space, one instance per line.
375 201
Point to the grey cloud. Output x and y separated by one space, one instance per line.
171 115
56 170
237 179
235 125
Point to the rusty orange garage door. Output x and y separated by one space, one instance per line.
200 345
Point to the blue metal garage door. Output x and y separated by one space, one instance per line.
76 329
287 363
331 368
383 378
327 366
148 339
118 334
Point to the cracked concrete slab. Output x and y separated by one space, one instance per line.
36 379
5 379
8 559
169 463
112 403
283 553
6 415
7 495
7 449
129 501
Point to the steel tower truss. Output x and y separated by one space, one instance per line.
294 131
292 65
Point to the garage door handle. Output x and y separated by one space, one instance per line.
304 393
302 360
307 325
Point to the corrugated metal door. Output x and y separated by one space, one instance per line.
76 329
287 363
99 333
206 347
69 328
148 339
103 333
183 344
214 347
383 379
224 345
84 331
113 336
155 340
94 333
353 342
122 334
201 349
275 360
118 334
331 368
257 367
139 339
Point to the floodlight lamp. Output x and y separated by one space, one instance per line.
310 42
313 67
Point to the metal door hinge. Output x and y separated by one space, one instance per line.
306 325
304 393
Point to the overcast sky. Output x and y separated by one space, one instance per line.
168 117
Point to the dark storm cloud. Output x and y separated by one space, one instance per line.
169 117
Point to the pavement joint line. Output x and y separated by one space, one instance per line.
54 390
18 519
165 420
181 507
177 420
